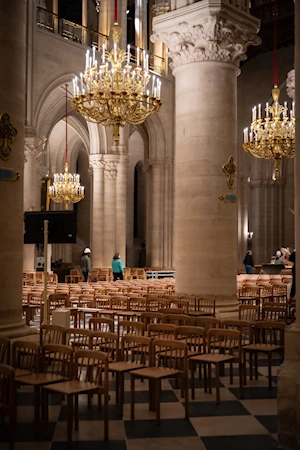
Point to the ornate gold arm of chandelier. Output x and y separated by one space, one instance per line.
66 187
113 92
272 137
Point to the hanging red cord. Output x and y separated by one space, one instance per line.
116 11
66 123
275 45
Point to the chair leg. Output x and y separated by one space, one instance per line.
230 372
117 387
185 380
205 377
76 412
250 364
270 369
218 383
241 370
121 387
157 401
70 418
256 365
36 408
193 378
132 396
46 411
209 378
244 366
106 417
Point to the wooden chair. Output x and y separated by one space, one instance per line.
168 359
268 338
166 311
25 357
249 313
178 319
205 306
137 304
4 350
56 365
8 399
134 354
207 322
277 312
101 324
151 317
130 327
279 293
179 303
224 346
249 295
78 338
106 342
91 381
161 331
52 334
194 337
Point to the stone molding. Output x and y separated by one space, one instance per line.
110 170
160 8
213 39
34 146
95 162
290 84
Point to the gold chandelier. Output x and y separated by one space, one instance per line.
66 187
113 92
272 136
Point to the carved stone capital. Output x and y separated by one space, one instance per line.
95 162
212 38
34 146
290 84
110 170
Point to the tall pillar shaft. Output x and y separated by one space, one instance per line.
141 24
97 211
12 94
205 60
85 21
121 207
156 214
109 217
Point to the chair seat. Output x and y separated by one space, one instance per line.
22 372
155 372
212 358
39 379
73 387
123 366
262 347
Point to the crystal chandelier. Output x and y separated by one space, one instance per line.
272 136
113 92
66 187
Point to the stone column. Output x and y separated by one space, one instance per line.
289 374
33 148
141 24
121 206
167 214
97 209
85 21
55 11
156 248
12 94
109 218
205 45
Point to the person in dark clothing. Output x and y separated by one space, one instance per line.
293 259
85 263
248 262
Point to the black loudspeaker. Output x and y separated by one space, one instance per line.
61 227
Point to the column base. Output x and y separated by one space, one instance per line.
288 388
16 330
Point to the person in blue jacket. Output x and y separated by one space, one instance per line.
117 267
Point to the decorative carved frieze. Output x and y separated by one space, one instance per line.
110 170
96 162
213 39
160 8
290 84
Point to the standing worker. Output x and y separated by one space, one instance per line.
117 267
85 263
248 262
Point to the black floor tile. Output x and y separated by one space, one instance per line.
27 399
251 393
198 383
225 408
90 445
143 396
257 442
25 432
138 429
275 362
269 422
92 413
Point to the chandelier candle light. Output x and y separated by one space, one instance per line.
113 92
66 187
272 136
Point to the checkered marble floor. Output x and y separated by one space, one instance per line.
234 424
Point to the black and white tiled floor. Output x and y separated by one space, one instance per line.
235 424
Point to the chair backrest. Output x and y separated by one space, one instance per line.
206 305
275 311
137 304
178 319
194 337
86 300
52 334
58 300
57 359
135 349
151 317
207 322
119 302
26 355
78 338
249 313
4 350
179 303
7 385
162 330
269 332
171 310
229 340
106 342
249 291
101 324
130 327
97 363
102 301
243 326
169 353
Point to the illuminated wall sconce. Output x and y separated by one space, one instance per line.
250 234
